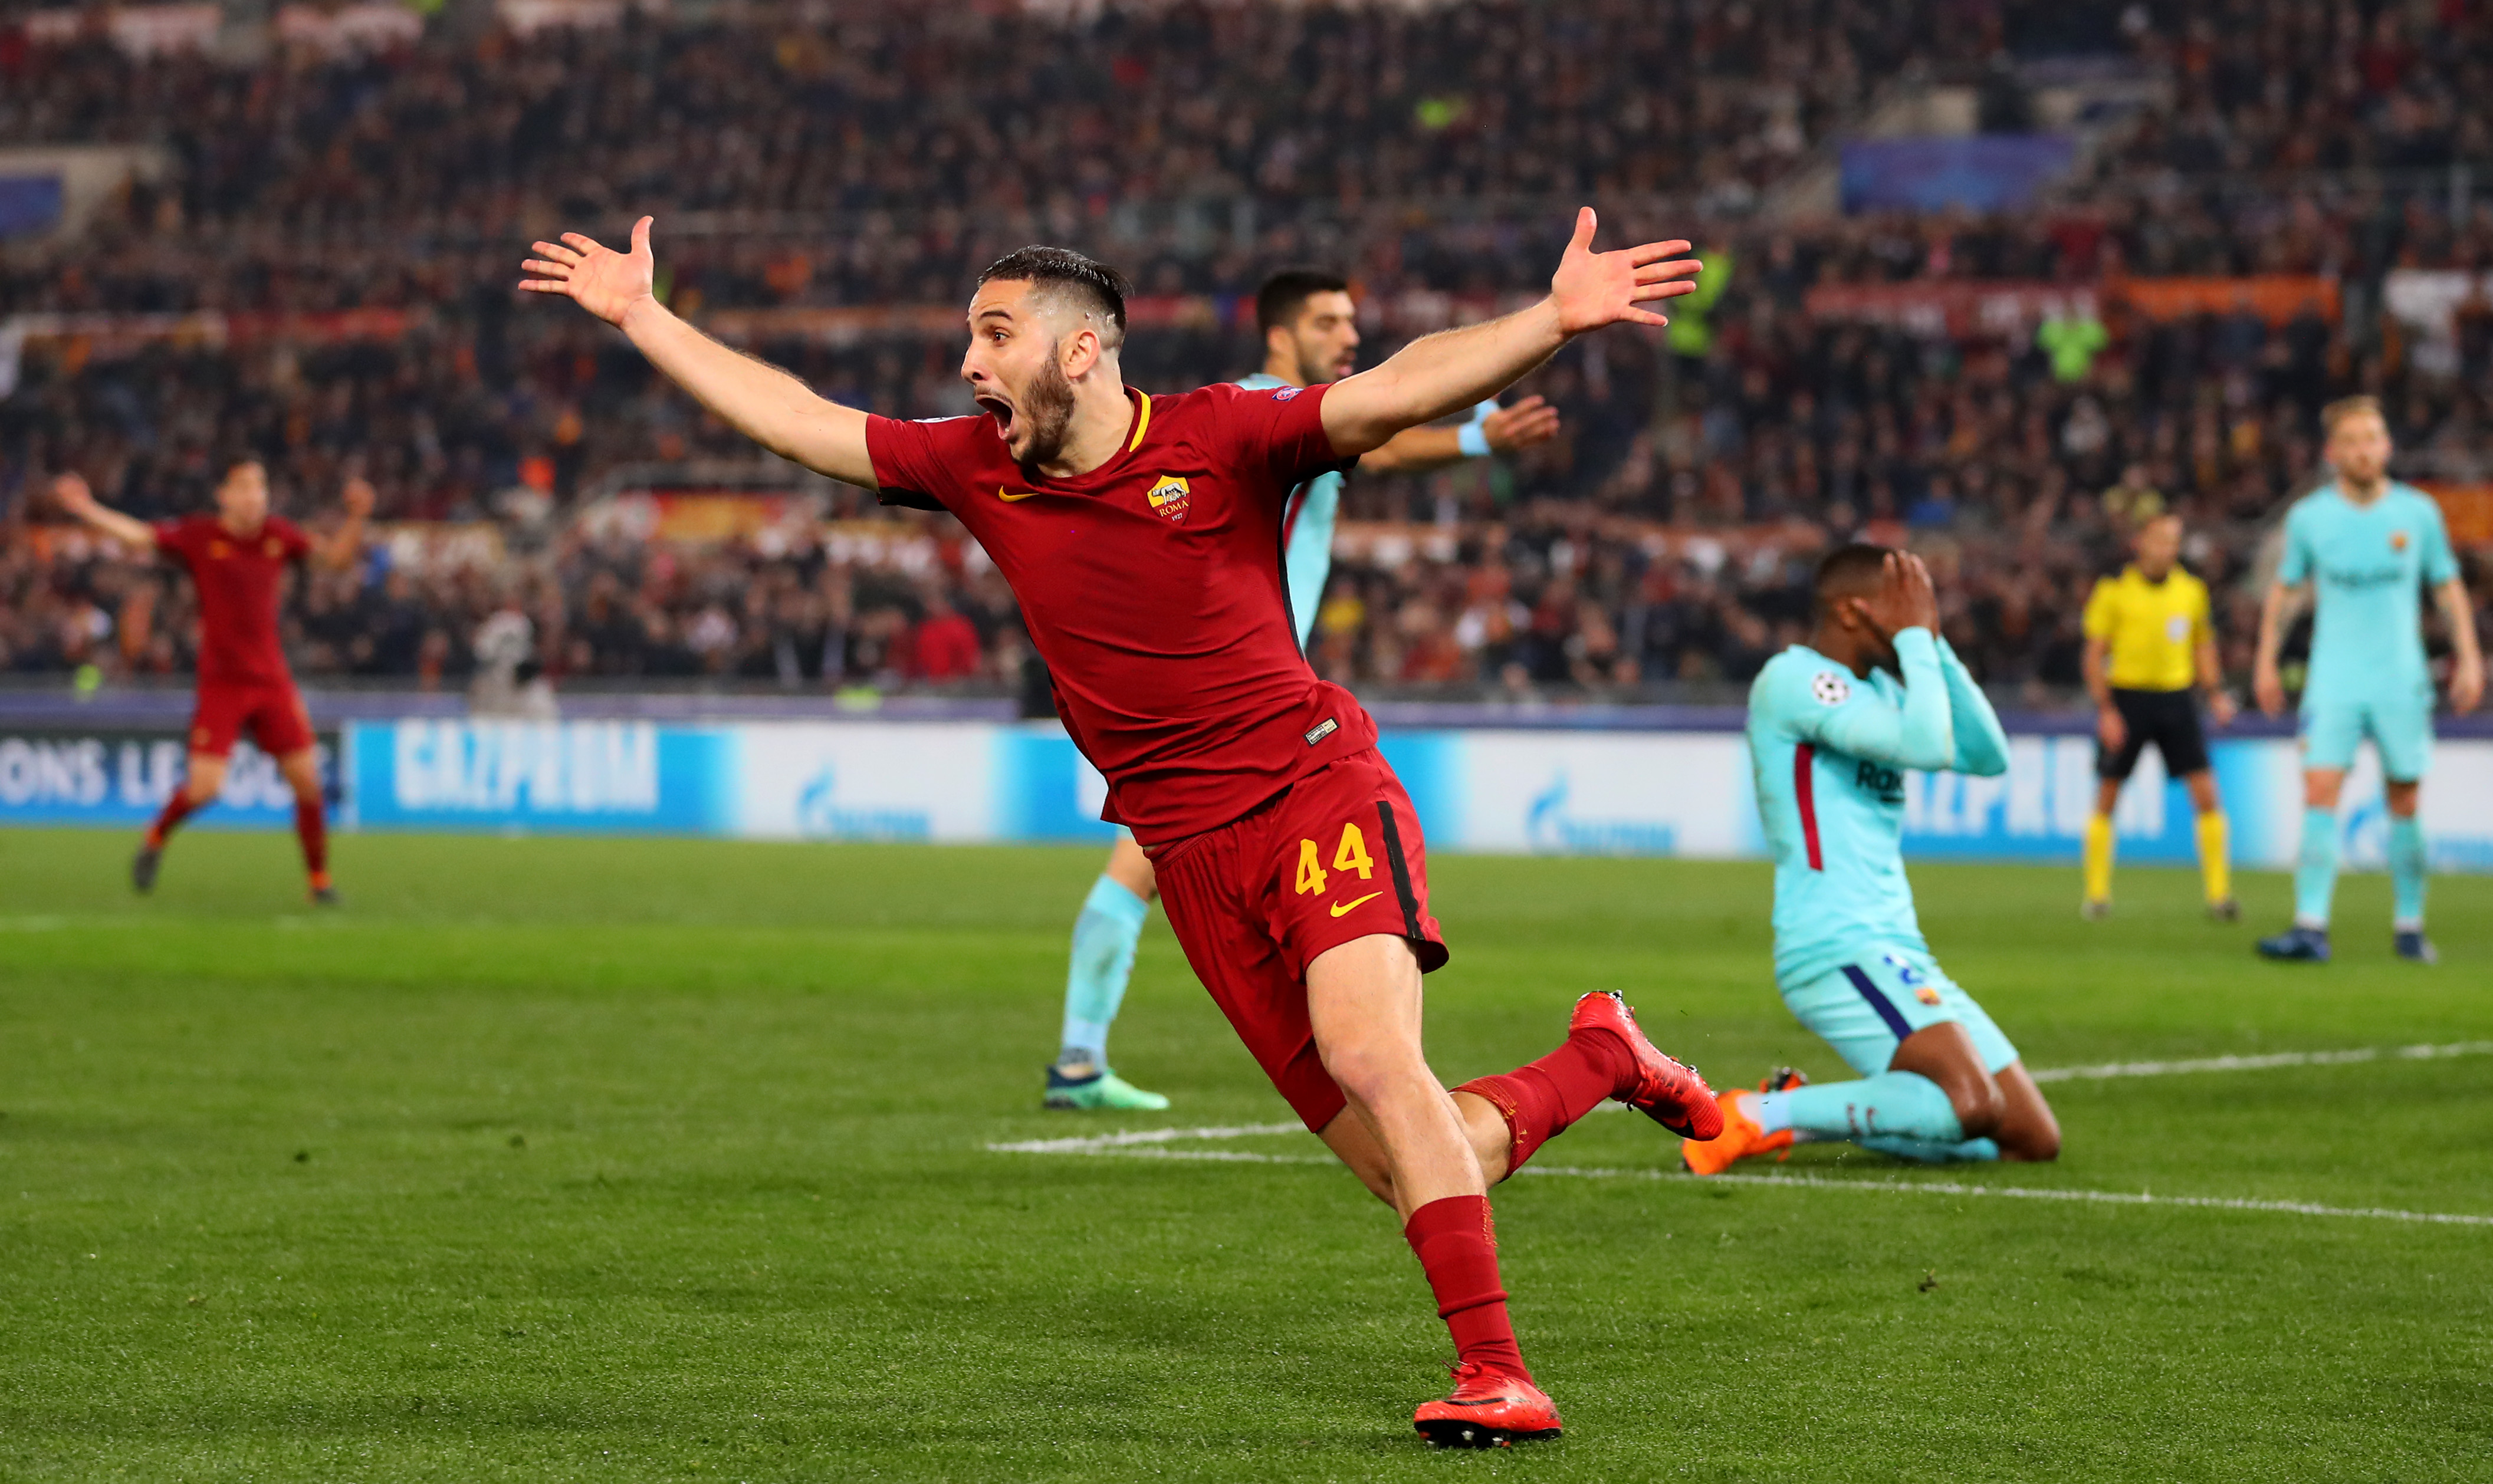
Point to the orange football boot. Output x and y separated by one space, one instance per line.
1486 1409
1670 1094
1739 1139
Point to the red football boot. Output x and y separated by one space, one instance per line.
1486 1409
1670 1094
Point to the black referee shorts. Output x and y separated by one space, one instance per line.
2169 719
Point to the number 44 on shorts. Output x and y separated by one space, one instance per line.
1351 854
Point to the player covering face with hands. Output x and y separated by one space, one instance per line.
1142 535
1833 725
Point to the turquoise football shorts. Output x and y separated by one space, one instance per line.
1867 1007
2400 726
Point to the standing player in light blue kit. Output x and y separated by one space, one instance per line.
1831 731
2368 546
1310 335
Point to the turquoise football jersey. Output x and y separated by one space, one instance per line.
1307 553
1830 749
2368 565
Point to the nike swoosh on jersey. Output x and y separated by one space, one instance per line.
1339 908
1009 497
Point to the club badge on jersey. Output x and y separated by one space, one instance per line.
1912 979
1169 497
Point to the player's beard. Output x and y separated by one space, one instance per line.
1047 403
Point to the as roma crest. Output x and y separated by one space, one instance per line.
1169 497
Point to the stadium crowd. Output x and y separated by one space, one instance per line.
1661 538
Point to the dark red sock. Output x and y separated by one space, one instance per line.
177 809
1456 1240
312 827
1540 1099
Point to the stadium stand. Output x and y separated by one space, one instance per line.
2249 195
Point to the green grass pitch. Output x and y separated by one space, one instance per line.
557 1160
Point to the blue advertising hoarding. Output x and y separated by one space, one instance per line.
1543 791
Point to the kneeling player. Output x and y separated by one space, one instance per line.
1830 732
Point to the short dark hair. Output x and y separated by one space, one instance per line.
1847 572
1085 283
1286 292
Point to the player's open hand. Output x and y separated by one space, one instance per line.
1526 423
1905 598
1920 595
605 283
2221 708
2111 729
71 493
2268 688
1592 290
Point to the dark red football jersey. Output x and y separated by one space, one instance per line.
237 578
1152 588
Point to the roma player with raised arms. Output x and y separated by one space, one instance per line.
237 558
1310 335
1143 536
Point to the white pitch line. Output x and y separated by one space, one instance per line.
1095 1143
2026 1193
1149 1145
2261 1063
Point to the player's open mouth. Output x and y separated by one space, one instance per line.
1001 410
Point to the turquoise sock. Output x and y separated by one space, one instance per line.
2315 874
1923 1151
1104 937
1891 1103
2407 864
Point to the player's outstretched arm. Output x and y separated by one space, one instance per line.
1442 373
71 493
759 400
2467 667
346 543
1529 423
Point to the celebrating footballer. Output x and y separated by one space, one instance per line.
1143 537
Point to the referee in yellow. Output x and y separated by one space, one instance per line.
2149 641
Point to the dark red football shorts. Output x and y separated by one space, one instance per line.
273 713
1337 857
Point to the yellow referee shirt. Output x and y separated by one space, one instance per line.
2154 629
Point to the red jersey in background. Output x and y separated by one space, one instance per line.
1152 588
237 578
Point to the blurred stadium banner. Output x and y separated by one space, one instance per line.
1980 173
1545 791
1963 307
121 778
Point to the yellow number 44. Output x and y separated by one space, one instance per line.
1351 854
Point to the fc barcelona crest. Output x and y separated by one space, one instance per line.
1169 497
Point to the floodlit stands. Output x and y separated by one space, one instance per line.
2279 210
